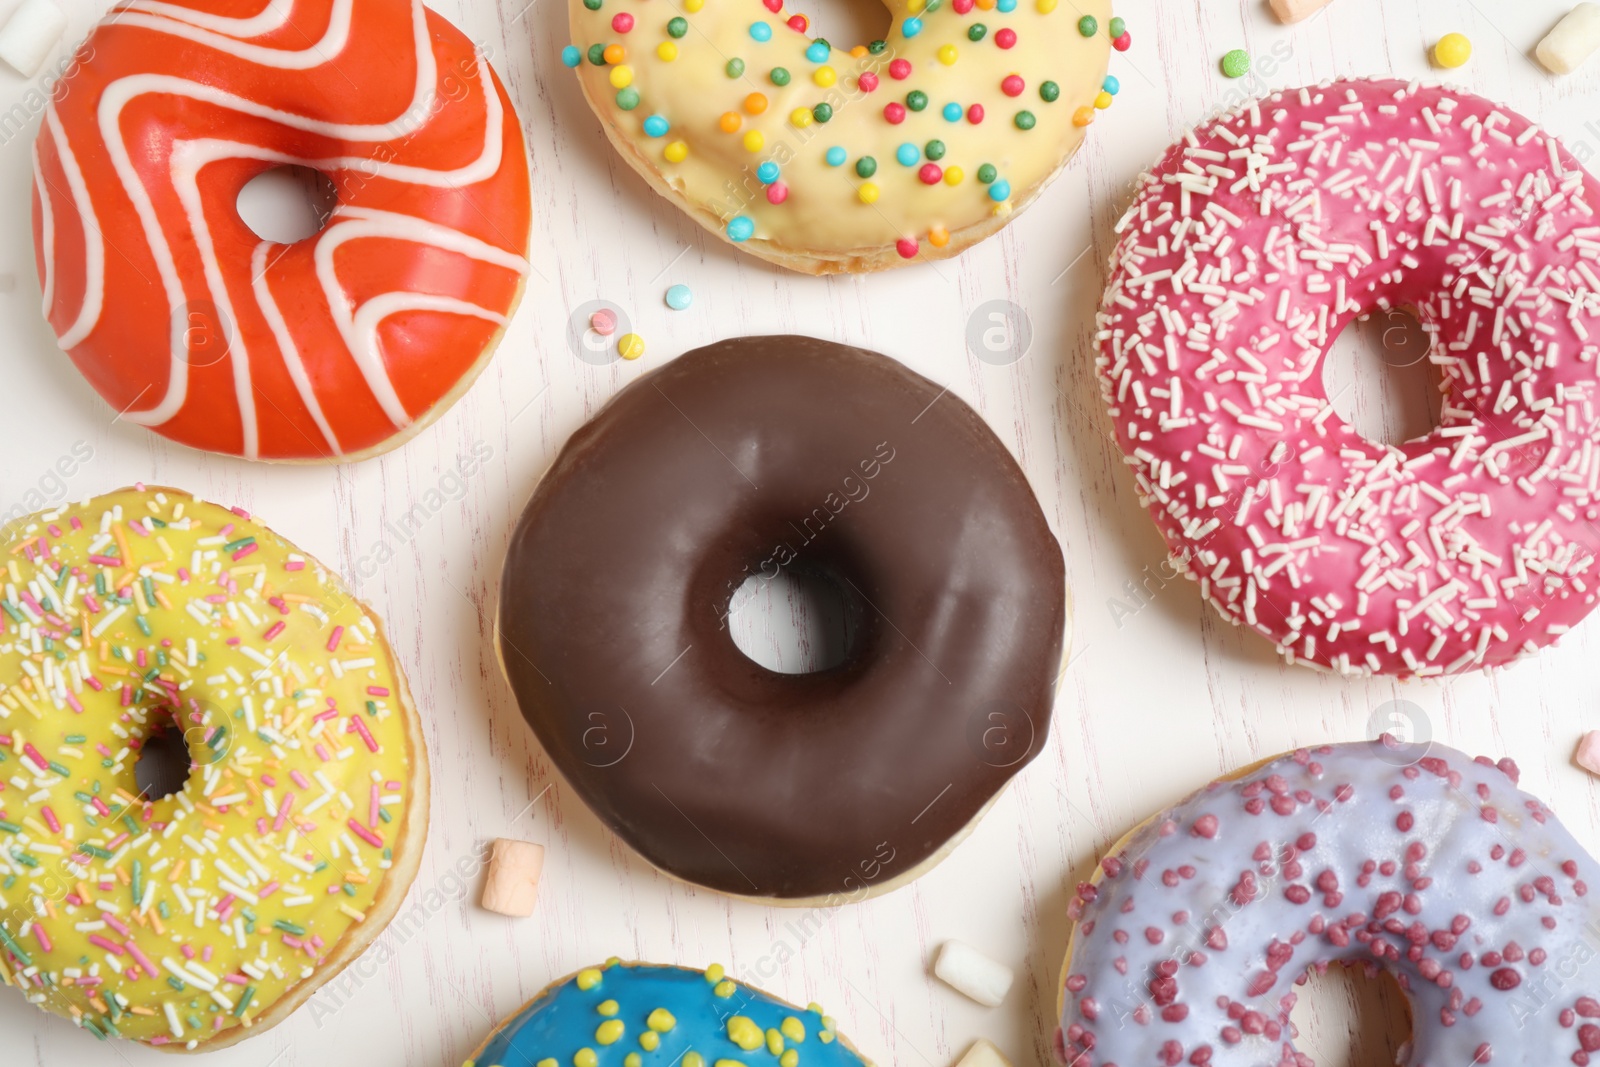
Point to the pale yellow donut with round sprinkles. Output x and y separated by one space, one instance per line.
828 160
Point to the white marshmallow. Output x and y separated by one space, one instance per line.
30 35
969 971
513 882
1289 11
983 1054
1588 756
1572 41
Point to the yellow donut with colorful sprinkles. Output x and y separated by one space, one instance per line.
828 160
147 619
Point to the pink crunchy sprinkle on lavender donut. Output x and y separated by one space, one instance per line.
1250 245
1197 927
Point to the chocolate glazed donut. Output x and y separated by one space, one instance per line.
760 456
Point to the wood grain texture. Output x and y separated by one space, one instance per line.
1160 696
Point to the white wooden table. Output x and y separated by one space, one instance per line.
1160 696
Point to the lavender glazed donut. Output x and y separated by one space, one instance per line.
1251 244
1196 927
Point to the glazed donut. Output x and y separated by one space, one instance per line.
824 160
751 459
628 1014
336 347
147 618
1250 245
1196 926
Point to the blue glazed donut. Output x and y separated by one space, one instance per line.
651 1015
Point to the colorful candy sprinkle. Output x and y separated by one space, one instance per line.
630 346
1453 50
1236 64
679 297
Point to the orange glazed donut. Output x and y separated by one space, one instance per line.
335 347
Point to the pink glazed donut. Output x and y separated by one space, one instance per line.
1197 927
1250 245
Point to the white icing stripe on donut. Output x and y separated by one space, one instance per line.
286 345
47 234
269 19
94 247
1192 938
190 158
313 55
238 354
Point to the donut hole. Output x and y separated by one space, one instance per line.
162 768
796 622
287 204
1346 1017
843 23
1379 379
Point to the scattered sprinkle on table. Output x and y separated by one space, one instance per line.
630 346
1236 64
1453 50
679 297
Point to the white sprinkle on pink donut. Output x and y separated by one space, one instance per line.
1192 936
1250 245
